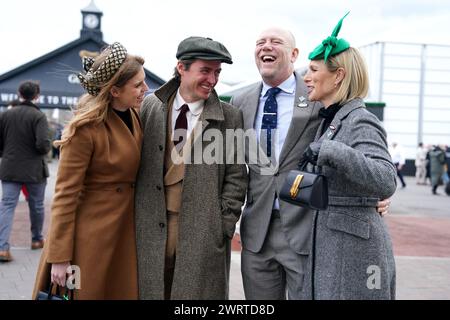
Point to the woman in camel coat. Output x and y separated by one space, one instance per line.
92 224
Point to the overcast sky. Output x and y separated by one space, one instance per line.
153 29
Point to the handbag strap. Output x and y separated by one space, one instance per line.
303 163
68 293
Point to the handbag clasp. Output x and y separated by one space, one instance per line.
294 189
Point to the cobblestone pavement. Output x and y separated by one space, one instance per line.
419 224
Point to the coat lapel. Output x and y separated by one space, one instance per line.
302 113
212 111
120 133
336 123
251 104
253 150
166 94
137 129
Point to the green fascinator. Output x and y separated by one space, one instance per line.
330 46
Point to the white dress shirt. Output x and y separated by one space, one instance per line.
195 110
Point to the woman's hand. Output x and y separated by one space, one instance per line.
59 273
311 153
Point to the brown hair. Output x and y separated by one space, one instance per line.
186 66
94 109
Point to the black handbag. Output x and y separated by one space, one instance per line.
305 189
49 295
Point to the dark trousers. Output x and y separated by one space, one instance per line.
399 174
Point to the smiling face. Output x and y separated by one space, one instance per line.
131 94
321 83
275 54
199 80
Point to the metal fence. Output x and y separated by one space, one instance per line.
414 82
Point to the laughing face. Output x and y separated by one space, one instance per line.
199 80
275 54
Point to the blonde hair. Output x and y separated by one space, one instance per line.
356 80
94 109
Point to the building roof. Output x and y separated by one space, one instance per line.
67 47
57 70
92 8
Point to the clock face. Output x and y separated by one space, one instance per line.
91 21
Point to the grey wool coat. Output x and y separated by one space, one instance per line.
353 250
212 197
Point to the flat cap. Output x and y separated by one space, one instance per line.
204 49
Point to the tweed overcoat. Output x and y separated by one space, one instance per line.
212 197
353 250
92 223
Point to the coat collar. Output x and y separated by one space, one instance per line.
29 103
349 107
116 122
335 124
212 109
251 103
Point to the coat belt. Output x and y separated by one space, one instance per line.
352 201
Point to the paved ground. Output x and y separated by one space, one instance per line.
418 221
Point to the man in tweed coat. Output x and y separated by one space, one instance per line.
186 211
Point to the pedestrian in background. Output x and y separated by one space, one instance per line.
421 164
437 162
24 144
398 157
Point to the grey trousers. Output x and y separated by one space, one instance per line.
276 270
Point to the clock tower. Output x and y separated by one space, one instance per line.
91 22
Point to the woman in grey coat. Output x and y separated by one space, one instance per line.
353 251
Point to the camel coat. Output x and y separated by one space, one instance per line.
92 222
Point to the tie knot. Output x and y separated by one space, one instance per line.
273 91
184 108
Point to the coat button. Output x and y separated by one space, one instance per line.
161 148
158 188
119 189
162 225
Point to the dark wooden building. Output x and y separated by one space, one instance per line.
56 71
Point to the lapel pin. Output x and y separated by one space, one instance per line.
331 131
302 103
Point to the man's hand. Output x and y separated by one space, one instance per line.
383 206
